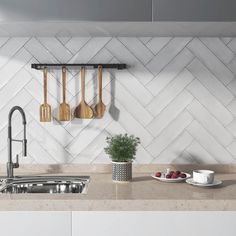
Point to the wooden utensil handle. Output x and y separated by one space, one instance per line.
64 84
82 83
100 82
45 75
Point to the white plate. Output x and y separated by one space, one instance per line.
172 180
215 183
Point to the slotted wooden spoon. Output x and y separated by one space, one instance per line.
83 110
45 109
100 107
64 108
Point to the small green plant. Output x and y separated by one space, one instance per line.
122 147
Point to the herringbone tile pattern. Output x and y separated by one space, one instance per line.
178 96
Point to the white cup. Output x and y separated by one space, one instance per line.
203 176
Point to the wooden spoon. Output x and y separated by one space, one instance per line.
45 109
83 110
100 107
64 108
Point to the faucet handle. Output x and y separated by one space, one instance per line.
16 164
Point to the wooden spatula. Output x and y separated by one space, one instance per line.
83 110
45 109
100 107
64 108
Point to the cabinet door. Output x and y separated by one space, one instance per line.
76 10
194 10
35 223
153 223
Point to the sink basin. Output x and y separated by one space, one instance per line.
45 184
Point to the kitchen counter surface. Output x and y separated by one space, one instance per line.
142 194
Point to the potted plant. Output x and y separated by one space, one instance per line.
122 149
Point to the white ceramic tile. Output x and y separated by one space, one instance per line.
175 149
37 50
137 48
132 105
219 49
21 99
232 65
103 56
166 54
49 143
214 127
92 150
89 50
15 85
135 88
199 154
53 128
211 61
56 48
10 48
144 40
232 45
210 102
129 123
125 56
75 44
232 86
156 44
13 66
232 128
209 143
232 107
39 154
170 92
170 72
226 40
3 40
210 82
142 156
169 134
86 136
63 36
170 113
232 149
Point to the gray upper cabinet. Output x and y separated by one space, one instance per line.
194 10
76 10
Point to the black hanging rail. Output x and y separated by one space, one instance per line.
105 66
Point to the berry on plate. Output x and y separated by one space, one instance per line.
158 174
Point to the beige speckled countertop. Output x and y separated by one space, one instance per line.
142 194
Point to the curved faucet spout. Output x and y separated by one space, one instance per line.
10 164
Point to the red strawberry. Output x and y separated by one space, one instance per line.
158 174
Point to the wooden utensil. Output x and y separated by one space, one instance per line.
64 108
45 109
83 110
100 107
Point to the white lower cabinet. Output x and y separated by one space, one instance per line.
35 223
92 223
153 223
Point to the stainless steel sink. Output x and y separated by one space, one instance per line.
45 184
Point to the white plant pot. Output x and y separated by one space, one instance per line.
121 171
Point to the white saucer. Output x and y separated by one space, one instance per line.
215 183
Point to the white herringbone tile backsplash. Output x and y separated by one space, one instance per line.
178 96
